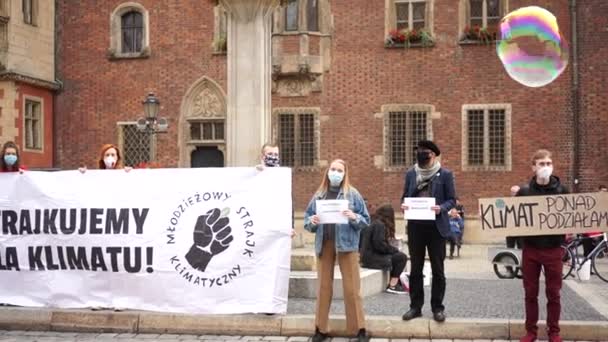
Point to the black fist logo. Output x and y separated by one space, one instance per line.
212 236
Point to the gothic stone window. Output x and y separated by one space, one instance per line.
486 137
129 32
404 126
136 146
30 11
312 15
207 131
291 15
296 131
33 127
299 15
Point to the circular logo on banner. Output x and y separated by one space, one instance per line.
210 237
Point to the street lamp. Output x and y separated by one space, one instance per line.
151 123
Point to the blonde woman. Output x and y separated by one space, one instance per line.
339 241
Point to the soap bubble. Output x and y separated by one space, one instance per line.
532 49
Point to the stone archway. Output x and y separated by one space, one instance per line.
203 106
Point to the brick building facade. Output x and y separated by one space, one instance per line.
340 90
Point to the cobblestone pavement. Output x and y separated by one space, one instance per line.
39 336
468 298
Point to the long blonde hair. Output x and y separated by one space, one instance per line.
344 186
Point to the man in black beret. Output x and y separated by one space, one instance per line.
428 179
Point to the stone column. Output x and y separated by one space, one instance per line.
249 82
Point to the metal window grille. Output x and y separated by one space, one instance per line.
402 11
312 15
287 140
33 125
307 139
297 139
475 119
291 15
496 127
136 145
132 27
405 129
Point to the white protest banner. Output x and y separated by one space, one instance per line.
544 215
173 240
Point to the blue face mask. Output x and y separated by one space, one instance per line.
10 159
335 178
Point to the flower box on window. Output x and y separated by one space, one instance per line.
409 38
479 35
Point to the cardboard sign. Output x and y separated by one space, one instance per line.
544 215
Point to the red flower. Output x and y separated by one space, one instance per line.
147 165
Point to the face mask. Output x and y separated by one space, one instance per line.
271 161
10 159
110 162
544 172
335 178
423 157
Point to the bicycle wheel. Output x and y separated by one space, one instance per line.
599 263
505 266
568 260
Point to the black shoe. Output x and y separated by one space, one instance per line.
439 316
411 314
319 336
397 289
362 336
451 257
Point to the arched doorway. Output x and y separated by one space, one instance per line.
207 156
202 125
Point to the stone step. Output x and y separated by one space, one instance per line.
303 259
303 284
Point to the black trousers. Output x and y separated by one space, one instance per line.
398 261
423 236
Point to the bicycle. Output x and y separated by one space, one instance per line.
507 262
598 257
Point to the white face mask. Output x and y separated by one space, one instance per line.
110 162
544 172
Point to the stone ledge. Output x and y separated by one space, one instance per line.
152 322
462 328
18 318
15 318
94 321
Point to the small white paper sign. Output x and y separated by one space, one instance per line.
330 211
419 208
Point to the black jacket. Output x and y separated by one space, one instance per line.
534 189
376 252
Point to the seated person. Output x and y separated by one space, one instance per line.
377 250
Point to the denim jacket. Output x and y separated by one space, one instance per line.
347 235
